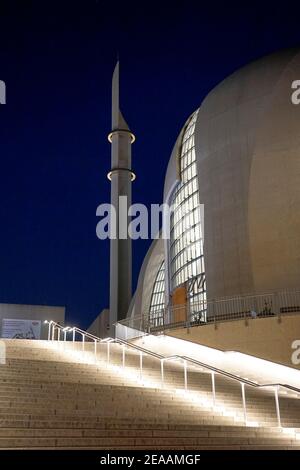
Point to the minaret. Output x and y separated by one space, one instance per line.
121 177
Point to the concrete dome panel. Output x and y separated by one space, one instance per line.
237 143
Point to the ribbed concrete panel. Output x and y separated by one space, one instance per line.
141 301
247 146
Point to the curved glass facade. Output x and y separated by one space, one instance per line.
186 242
157 302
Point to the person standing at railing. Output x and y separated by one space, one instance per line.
253 314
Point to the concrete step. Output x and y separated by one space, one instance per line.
51 398
104 433
136 442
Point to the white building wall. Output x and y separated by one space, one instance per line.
32 312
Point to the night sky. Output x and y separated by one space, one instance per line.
57 60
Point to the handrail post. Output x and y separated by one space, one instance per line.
49 330
108 352
95 349
244 401
277 406
53 332
276 307
213 385
74 333
58 334
243 309
162 373
188 313
65 335
185 375
123 356
141 365
83 341
214 311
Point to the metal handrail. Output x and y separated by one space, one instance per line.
213 370
205 366
51 331
230 375
203 312
185 359
86 333
69 329
138 348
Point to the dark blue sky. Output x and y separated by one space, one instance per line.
57 60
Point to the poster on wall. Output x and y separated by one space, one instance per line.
21 329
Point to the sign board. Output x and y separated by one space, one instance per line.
21 329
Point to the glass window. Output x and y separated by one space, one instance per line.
157 302
186 253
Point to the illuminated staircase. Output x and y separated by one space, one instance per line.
55 395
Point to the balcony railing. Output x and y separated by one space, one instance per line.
247 307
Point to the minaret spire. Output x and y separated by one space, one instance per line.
121 177
118 121
115 97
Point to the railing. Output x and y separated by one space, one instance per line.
55 330
247 307
53 326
